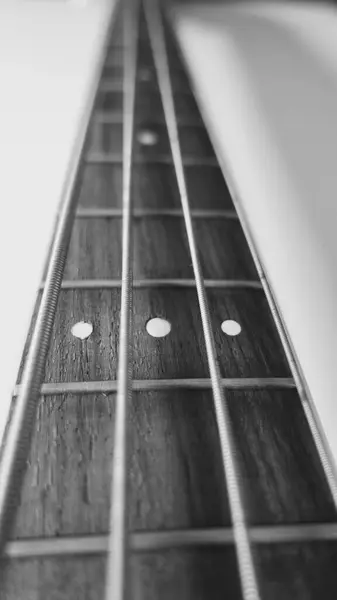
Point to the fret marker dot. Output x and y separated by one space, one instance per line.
82 330
145 75
231 327
147 137
158 327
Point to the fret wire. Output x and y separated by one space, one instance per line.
149 541
113 62
96 213
102 158
308 404
116 578
116 118
240 530
116 86
104 387
97 284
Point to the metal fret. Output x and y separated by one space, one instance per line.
95 284
114 61
97 213
116 118
148 541
106 387
116 580
116 85
100 158
240 531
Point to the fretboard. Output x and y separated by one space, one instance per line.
214 427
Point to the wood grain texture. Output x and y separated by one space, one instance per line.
280 471
67 484
179 79
113 68
175 469
55 579
89 260
304 571
144 51
69 358
176 475
257 349
154 186
160 249
189 574
148 103
255 352
108 138
223 250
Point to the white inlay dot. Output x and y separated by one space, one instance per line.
147 137
82 330
231 327
158 327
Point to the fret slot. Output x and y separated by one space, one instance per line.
160 250
107 139
174 433
279 468
69 467
145 56
67 483
110 101
54 578
95 250
189 574
256 352
115 72
303 571
117 36
149 106
154 186
115 57
112 71
70 359
182 353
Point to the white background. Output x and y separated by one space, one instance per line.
266 75
48 51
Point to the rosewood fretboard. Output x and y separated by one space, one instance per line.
181 537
